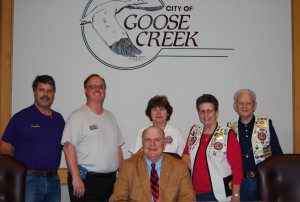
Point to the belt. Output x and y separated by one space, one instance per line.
250 174
42 173
102 174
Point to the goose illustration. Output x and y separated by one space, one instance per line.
103 20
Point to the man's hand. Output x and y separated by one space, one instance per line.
71 160
6 148
78 187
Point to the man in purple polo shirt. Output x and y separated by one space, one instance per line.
33 137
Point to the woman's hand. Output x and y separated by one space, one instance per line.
235 193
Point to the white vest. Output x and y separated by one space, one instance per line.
260 138
216 156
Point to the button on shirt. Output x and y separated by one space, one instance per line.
245 134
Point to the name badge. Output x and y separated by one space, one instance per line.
35 126
93 127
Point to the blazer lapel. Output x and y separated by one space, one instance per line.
164 176
143 172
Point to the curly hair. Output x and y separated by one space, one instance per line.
159 101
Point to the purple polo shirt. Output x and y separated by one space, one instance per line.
36 138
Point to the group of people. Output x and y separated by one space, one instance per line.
216 162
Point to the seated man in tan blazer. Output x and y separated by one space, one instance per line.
151 175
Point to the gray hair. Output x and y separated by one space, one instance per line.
150 127
237 93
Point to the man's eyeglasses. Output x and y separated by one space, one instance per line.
245 103
208 111
155 140
95 87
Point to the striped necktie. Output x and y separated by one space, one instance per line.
154 183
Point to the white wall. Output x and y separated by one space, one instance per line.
48 40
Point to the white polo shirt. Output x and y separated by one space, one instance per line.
174 139
96 139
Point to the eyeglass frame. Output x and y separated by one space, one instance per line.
209 111
155 140
95 87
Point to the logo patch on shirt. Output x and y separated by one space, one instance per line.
35 126
169 139
94 127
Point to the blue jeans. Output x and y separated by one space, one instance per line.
206 197
249 189
46 189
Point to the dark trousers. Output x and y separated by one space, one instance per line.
206 197
249 189
97 188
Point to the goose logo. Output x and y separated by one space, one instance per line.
130 34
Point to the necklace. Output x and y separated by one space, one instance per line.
206 137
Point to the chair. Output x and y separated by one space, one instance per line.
12 179
175 155
278 178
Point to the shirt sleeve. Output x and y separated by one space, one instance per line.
274 142
10 134
181 144
121 139
137 144
234 157
72 130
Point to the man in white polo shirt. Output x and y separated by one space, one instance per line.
92 145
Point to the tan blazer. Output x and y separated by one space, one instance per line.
133 183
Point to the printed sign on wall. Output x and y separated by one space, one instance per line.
131 34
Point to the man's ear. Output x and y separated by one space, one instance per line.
254 107
234 107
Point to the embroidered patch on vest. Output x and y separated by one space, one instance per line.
192 141
218 145
219 136
262 136
262 123
232 125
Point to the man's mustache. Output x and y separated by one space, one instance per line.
45 97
